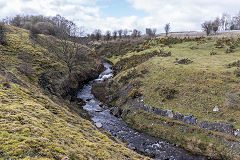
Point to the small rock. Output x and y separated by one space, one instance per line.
237 132
88 99
131 146
216 109
105 107
98 110
65 158
100 104
99 125
170 113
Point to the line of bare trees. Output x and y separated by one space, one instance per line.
117 34
226 22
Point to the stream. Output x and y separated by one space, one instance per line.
139 142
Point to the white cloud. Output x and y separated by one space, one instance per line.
182 14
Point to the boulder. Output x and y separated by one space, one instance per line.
157 111
78 101
65 158
216 126
131 146
116 111
100 104
149 109
170 113
237 132
163 112
190 119
178 116
105 107
98 125
216 109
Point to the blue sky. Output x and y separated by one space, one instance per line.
118 9
183 15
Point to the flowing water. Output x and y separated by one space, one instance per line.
140 142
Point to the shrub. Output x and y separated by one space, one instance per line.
135 93
166 92
234 64
183 61
193 47
213 53
229 50
34 32
45 28
6 82
233 100
237 72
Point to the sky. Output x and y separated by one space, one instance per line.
183 15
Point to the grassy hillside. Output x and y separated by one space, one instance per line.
201 73
35 122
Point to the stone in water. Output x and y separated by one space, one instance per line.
99 125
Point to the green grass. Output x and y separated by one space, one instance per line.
199 86
35 125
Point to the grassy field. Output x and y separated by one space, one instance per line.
200 86
199 75
35 122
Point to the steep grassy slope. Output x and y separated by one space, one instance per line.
35 123
198 76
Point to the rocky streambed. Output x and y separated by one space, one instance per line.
139 142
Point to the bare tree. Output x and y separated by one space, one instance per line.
16 21
108 35
134 33
114 35
215 25
154 31
151 32
120 33
167 28
67 48
207 27
125 32
225 21
98 34
139 33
